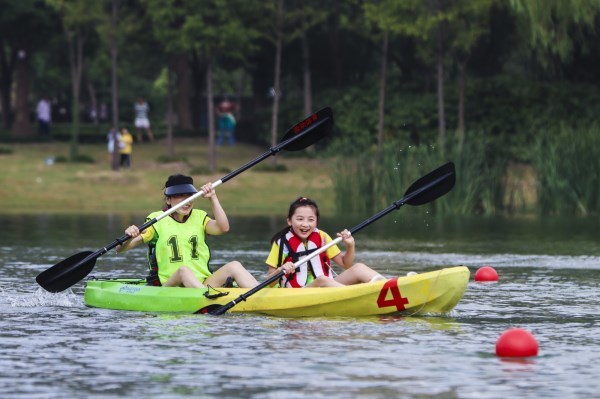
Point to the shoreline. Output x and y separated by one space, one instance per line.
30 185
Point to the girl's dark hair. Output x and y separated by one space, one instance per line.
301 201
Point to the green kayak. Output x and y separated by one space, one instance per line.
435 292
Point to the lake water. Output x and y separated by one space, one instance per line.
52 346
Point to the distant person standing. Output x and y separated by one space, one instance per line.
226 121
44 112
103 112
125 148
111 137
141 119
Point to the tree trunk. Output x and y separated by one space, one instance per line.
212 149
239 91
114 83
199 77
76 84
461 102
181 69
22 126
94 102
381 125
440 82
334 43
307 86
170 85
276 85
76 43
7 66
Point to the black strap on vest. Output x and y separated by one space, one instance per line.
152 278
294 255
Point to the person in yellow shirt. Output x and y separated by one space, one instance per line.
302 237
178 255
125 148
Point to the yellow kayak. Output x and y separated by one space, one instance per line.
435 292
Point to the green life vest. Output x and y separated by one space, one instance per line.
177 244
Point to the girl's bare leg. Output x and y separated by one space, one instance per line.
234 269
323 281
358 273
183 276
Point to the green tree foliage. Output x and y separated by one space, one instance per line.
467 23
555 28
79 19
215 29
523 67
18 47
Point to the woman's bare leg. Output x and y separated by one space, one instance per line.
149 133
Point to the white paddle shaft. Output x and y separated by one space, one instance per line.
188 199
318 252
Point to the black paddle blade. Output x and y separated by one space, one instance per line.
311 130
211 309
431 186
67 272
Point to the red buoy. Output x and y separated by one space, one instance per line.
486 273
516 342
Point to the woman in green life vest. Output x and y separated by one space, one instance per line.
177 251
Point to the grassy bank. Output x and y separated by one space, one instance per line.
29 184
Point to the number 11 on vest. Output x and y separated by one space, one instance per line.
397 300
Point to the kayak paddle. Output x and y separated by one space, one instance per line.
73 269
426 189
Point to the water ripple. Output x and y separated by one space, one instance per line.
51 345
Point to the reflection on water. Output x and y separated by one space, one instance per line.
51 345
401 231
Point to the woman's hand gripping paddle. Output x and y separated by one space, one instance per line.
426 189
73 269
